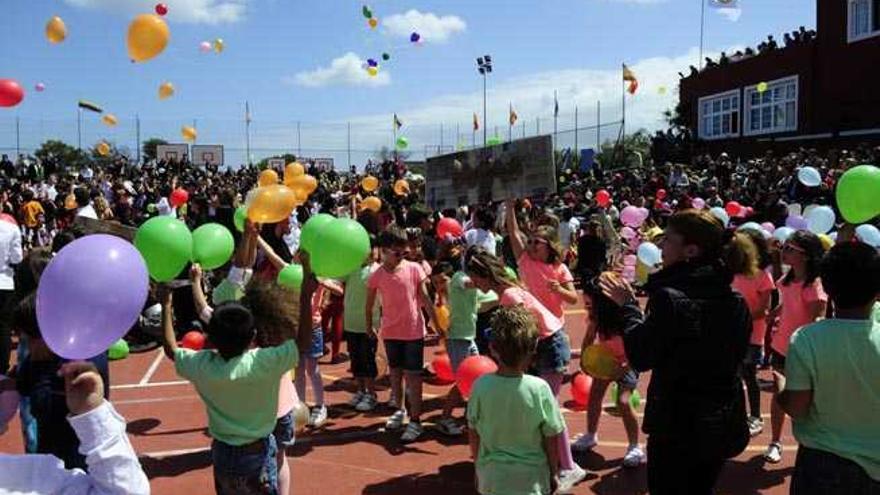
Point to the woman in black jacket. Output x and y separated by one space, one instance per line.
693 337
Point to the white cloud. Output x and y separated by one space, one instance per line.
732 14
190 11
431 28
347 70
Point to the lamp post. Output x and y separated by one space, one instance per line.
484 67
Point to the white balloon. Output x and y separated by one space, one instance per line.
809 177
783 233
868 234
751 226
820 220
720 214
794 209
650 254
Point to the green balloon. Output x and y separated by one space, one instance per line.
402 143
212 245
311 229
343 245
166 245
239 218
635 399
386 56
858 194
291 277
119 350
367 12
511 273
493 141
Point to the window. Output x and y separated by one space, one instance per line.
864 19
719 115
774 110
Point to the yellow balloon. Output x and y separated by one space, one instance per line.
166 90
598 361
300 416
268 177
442 313
56 31
272 204
303 184
109 120
219 45
762 87
372 203
189 133
103 149
827 243
370 183
373 71
293 169
401 187
147 37
373 22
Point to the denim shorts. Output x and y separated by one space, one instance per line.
362 351
553 353
629 380
459 350
249 469
284 432
408 355
317 348
817 472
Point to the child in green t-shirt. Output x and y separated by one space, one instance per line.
514 420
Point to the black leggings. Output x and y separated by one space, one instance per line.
675 467
750 377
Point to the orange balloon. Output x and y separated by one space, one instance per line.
442 313
103 149
268 177
293 169
372 203
373 23
370 183
147 37
401 187
303 184
272 204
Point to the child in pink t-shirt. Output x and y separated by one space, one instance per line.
553 350
403 287
801 302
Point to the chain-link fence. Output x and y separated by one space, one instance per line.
346 143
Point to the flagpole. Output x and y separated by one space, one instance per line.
247 131
598 125
524 129
510 122
394 138
702 30
623 123
576 129
79 118
555 119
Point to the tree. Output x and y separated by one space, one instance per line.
62 154
264 163
636 145
150 148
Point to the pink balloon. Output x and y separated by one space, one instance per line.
769 227
204 47
631 216
698 203
40 87
630 260
627 233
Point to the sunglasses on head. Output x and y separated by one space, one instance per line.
792 247
534 241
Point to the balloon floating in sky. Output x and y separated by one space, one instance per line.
40 87
189 133
373 22
103 148
365 10
56 31
373 71
166 90
494 141
402 143
386 57
762 87
415 37
205 47
661 90
109 120
11 93
161 9
148 36
219 45
372 63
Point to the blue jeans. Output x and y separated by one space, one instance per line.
459 350
553 354
817 472
245 470
28 421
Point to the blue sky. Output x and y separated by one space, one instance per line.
275 47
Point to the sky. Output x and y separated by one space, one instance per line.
302 61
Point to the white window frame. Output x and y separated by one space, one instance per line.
850 21
747 107
733 133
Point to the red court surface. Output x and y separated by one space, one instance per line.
353 454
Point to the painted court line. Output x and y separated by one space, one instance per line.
160 355
148 385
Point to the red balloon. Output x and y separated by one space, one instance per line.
11 93
603 198
6 217
443 368
661 193
449 226
194 340
178 198
733 208
161 9
580 388
472 368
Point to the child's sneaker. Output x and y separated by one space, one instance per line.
584 443
447 426
396 420
569 478
356 399
412 432
318 416
756 426
774 453
367 403
634 457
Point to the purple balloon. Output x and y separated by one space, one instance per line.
372 63
769 227
796 222
415 37
698 203
631 216
90 295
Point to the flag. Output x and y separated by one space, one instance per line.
555 105
476 122
247 112
724 4
87 105
630 77
397 123
513 116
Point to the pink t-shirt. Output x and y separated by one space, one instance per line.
401 314
547 322
751 289
615 345
795 300
537 276
285 395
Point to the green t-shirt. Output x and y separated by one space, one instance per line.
355 301
839 361
463 306
240 395
513 415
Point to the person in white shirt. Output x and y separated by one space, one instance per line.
569 228
84 204
113 464
481 234
10 254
